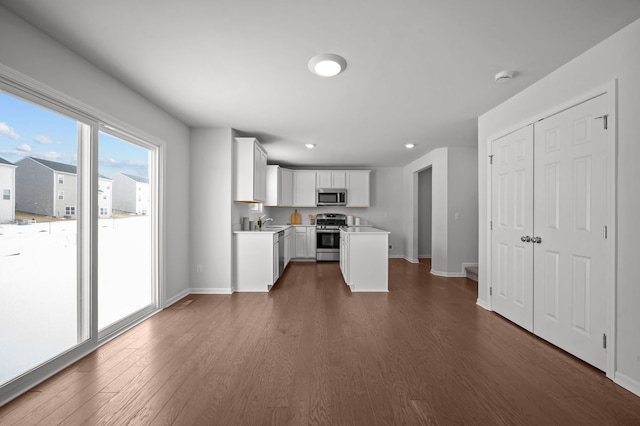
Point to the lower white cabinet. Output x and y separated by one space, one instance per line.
289 245
255 260
364 258
305 242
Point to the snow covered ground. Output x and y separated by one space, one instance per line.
39 287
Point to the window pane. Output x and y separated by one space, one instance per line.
125 276
39 288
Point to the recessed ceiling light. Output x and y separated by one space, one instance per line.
327 65
310 145
409 145
504 76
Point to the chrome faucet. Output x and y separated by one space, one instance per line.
262 220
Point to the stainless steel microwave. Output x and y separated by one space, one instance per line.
331 197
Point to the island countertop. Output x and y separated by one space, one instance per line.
363 230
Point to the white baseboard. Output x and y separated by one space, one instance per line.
174 299
627 382
410 260
448 274
483 304
396 256
210 291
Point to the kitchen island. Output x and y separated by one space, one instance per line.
364 258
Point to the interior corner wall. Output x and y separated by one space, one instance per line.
29 52
424 213
616 58
462 208
437 161
212 211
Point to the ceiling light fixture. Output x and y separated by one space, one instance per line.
327 65
310 145
410 145
504 76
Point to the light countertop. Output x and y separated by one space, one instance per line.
364 230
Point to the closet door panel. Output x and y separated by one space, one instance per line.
570 262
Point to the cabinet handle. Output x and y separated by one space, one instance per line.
525 239
536 240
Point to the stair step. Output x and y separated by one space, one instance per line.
472 273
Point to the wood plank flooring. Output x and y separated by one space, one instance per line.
310 352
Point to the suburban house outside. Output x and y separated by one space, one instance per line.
131 194
8 191
50 188
46 187
105 196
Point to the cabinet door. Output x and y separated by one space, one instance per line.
339 179
286 187
304 188
260 174
311 241
301 242
323 180
358 188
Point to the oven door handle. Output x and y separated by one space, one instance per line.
328 231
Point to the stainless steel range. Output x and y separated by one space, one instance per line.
328 236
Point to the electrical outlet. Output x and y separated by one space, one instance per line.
198 268
390 246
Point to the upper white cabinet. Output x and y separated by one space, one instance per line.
358 188
331 179
304 188
279 187
250 170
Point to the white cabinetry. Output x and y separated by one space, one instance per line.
358 188
304 188
279 186
331 179
364 258
305 242
250 170
256 260
289 245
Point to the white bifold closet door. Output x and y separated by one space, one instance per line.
549 256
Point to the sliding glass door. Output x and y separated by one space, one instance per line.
126 278
78 234
43 300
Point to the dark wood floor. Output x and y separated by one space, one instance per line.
310 352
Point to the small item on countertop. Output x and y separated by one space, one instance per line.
252 226
295 218
357 221
349 220
245 223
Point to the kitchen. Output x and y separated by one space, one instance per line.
264 246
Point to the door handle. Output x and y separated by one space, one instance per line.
525 239
536 240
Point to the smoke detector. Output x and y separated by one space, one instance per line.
504 76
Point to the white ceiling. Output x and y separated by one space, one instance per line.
418 71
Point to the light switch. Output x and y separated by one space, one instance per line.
457 216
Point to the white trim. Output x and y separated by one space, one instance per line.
483 305
627 382
210 291
448 274
176 298
609 89
396 256
408 259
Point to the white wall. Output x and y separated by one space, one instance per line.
385 211
31 53
212 210
424 213
618 58
453 179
